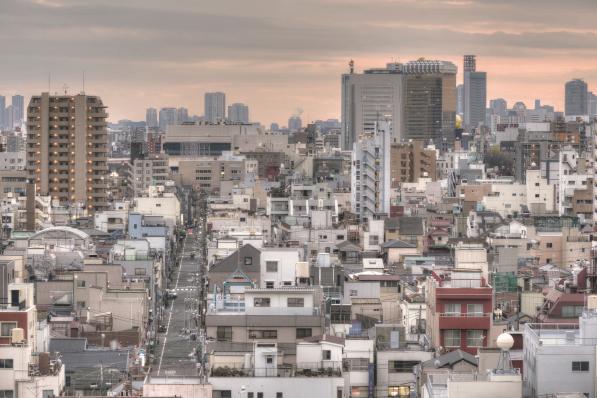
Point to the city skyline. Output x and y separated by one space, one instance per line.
137 56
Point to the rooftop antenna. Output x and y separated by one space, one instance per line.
83 92
505 341
49 82
65 88
351 66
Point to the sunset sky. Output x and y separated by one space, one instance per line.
278 55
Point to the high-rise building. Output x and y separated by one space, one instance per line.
2 110
9 117
215 107
411 161
592 104
371 173
367 98
151 117
576 98
429 100
67 148
498 106
18 109
460 99
238 113
475 93
182 115
167 118
295 123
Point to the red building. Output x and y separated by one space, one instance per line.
459 310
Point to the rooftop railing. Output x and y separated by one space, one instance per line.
307 369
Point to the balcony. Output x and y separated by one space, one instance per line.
464 320
308 369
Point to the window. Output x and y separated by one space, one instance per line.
222 394
271 266
80 304
224 333
474 338
536 195
269 284
251 395
259 395
248 260
580 366
6 329
402 366
301 333
6 364
571 311
269 360
549 245
326 355
140 271
263 334
353 293
6 394
452 338
296 302
261 302
279 395
452 309
474 309
373 240
80 283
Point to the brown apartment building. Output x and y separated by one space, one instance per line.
411 161
67 148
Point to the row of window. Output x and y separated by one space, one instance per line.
474 338
224 333
290 302
454 309
250 394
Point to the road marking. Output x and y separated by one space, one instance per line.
171 307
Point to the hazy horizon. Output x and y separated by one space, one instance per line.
277 56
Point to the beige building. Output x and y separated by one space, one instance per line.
209 173
148 171
411 161
67 148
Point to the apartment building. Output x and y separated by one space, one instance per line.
148 171
411 161
460 304
67 145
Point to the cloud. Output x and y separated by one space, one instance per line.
277 55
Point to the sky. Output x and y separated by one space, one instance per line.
280 56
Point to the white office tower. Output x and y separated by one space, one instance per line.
215 107
370 183
151 117
238 113
370 97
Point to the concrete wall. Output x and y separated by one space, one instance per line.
290 387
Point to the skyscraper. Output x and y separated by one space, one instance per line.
2 110
215 107
151 117
18 109
295 123
67 148
576 98
460 99
592 104
475 93
167 118
238 113
367 98
429 100
498 106
182 115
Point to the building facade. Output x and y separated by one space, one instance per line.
67 148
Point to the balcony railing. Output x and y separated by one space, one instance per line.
308 369
464 314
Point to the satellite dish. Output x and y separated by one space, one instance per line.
505 341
